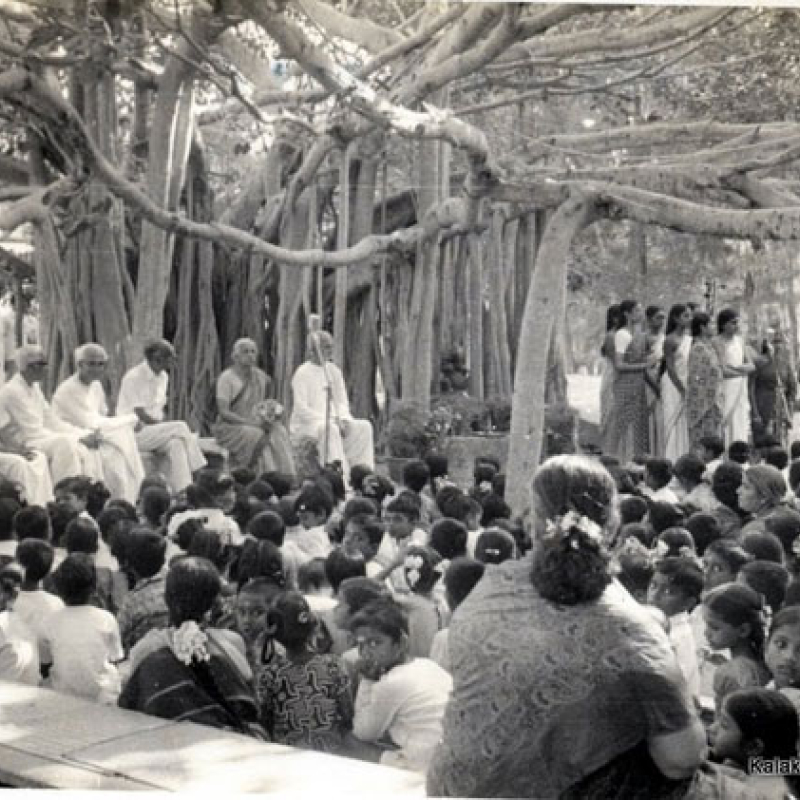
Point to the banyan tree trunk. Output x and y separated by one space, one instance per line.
544 303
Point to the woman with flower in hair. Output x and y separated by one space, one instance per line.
426 614
563 685
248 425
305 697
190 671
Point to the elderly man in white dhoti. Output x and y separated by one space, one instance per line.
144 392
349 440
29 423
81 400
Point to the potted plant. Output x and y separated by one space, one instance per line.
412 433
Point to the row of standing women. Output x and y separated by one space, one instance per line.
664 390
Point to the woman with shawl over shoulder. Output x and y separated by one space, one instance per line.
190 671
563 685
613 322
677 346
762 491
704 400
736 369
248 425
631 361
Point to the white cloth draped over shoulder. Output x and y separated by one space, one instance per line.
309 391
736 411
170 440
28 422
86 407
676 430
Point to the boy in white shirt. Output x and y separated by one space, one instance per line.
363 534
675 589
402 529
400 700
84 641
34 605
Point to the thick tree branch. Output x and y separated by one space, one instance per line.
602 40
361 31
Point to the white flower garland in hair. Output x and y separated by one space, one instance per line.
563 527
413 567
190 643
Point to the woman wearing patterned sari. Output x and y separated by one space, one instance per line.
563 685
631 360
703 399
248 426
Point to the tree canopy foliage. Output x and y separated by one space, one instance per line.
425 175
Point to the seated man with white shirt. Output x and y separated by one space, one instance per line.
29 424
349 440
144 392
81 400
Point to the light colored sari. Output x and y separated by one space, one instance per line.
676 430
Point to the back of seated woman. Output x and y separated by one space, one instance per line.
562 684
190 671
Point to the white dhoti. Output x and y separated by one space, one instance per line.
355 448
313 388
66 456
32 475
122 465
177 449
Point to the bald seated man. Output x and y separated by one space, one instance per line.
349 440
29 423
81 401
144 392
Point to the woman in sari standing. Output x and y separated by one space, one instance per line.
677 346
613 323
247 425
736 368
655 319
703 400
631 360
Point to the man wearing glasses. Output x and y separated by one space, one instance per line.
29 423
81 401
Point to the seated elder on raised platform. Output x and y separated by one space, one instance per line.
28 422
248 425
81 400
349 440
144 392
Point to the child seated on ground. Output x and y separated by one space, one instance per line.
460 579
704 529
33 605
734 616
402 529
782 653
83 641
426 614
635 565
768 579
253 600
632 509
482 475
757 723
19 650
675 589
145 607
305 697
762 546
363 534
400 700
415 478
494 546
313 507
657 477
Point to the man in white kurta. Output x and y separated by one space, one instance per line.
81 400
28 422
349 440
143 392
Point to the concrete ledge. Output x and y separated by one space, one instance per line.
55 741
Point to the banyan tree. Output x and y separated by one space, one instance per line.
418 173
